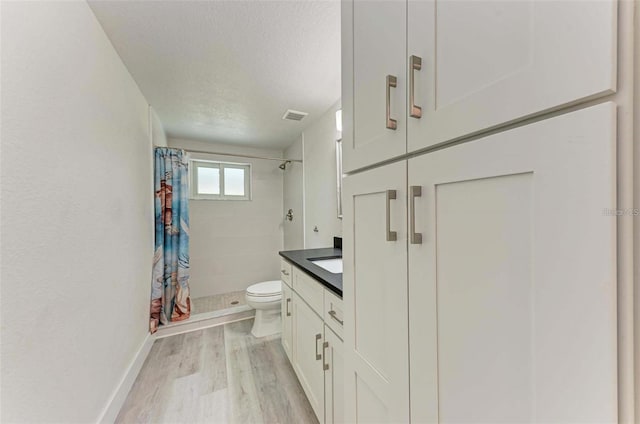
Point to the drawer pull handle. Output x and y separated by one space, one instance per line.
288 311
415 191
325 366
391 235
333 315
392 82
318 356
284 272
415 64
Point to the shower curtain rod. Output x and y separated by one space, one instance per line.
238 155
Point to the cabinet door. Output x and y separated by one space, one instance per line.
308 330
512 292
375 296
287 320
373 46
333 378
487 63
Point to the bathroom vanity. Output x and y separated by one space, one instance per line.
312 321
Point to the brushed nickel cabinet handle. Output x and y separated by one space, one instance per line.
392 81
414 191
415 64
391 235
325 366
333 315
288 311
318 337
284 272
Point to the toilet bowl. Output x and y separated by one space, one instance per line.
265 298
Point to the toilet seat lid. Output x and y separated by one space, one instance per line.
266 288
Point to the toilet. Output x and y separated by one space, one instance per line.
265 298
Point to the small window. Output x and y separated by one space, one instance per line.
220 180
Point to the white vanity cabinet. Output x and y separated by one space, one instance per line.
491 270
311 327
421 73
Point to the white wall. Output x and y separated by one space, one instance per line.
234 244
77 238
293 197
158 135
320 182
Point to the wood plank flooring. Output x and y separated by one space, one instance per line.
217 375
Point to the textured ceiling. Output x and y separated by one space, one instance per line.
227 71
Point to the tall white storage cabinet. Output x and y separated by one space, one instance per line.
461 67
500 279
480 276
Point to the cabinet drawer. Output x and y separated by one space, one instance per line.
285 272
333 312
309 289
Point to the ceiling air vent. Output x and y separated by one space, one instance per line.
294 115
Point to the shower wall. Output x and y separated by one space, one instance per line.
293 197
235 243
320 182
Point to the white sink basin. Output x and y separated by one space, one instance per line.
334 265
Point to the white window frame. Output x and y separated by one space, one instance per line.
193 179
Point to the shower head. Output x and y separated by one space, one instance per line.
283 165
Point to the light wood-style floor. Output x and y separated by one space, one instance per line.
218 302
217 375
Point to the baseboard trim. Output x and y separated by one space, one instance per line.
110 412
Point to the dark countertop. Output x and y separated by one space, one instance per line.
300 258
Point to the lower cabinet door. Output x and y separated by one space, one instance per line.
376 344
287 320
333 378
308 330
512 282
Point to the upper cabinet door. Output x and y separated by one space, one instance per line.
486 63
374 88
512 290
